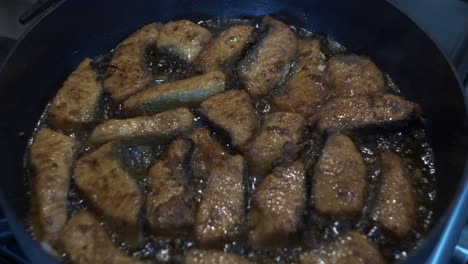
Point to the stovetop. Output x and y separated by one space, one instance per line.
446 21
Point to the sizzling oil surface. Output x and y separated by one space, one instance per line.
408 139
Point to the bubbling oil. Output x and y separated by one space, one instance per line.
408 139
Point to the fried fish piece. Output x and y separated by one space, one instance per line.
206 154
51 157
184 39
76 103
276 143
351 112
221 214
170 200
232 111
351 248
278 206
396 206
351 75
159 127
187 92
127 73
268 63
85 241
103 180
305 90
339 178
197 256
229 44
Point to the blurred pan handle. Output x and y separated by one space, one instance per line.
38 8
460 253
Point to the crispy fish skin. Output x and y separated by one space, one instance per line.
305 90
85 241
191 91
351 75
229 44
221 214
183 38
207 153
103 181
197 256
351 112
77 100
161 127
278 206
232 111
339 178
51 157
351 248
276 143
268 63
309 57
396 206
170 200
127 73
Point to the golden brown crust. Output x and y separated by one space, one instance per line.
350 112
170 200
221 214
229 44
305 90
351 248
104 182
85 241
158 128
127 73
232 111
51 157
276 143
184 39
268 63
396 206
277 207
339 178
351 75
187 92
77 100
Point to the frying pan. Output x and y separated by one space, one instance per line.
75 29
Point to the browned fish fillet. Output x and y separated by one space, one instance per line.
229 44
268 63
304 91
396 208
127 73
232 111
170 201
276 143
206 154
309 57
213 257
221 214
351 248
184 39
103 181
339 178
77 100
351 112
159 127
277 207
351 75
51 158
85 241
187 92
